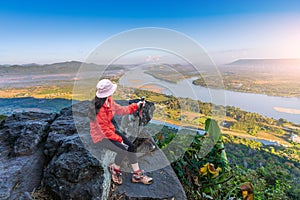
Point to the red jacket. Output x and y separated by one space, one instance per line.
102 127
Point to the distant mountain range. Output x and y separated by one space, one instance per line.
29 64
281 67
33 68
69 67
239 62
72 67
290 67
282 62
35 64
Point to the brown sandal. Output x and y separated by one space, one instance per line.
116 175
140 177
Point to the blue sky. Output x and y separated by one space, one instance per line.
54 31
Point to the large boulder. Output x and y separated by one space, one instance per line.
21 145
72 172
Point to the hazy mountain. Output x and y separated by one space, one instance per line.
31 64
70 67
256 62
19 76
36 68
282 67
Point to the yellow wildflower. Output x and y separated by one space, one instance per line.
203 170
218 170
210 168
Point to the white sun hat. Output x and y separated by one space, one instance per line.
105 88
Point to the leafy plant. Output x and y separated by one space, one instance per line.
250 169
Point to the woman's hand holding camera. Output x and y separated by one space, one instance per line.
140 103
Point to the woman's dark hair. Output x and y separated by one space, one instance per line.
95 106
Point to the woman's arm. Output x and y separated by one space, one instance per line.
124 110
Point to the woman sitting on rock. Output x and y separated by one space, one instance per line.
102 130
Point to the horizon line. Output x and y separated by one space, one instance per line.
79 61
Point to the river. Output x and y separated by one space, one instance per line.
270 106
